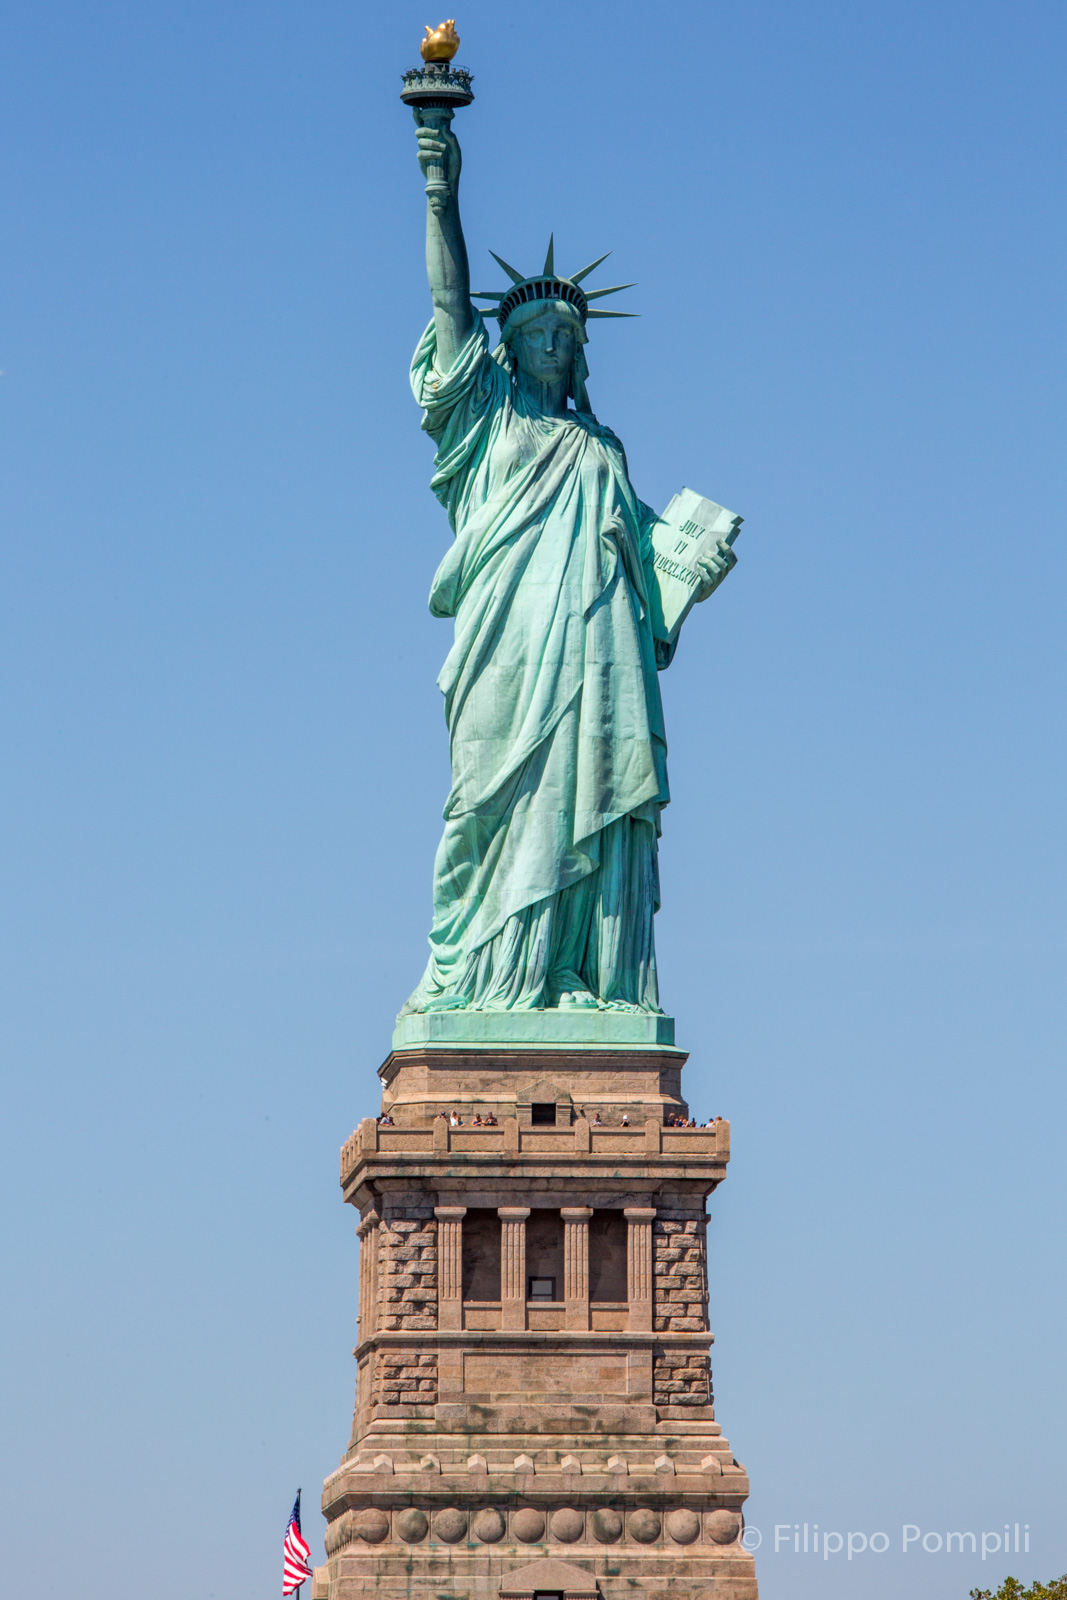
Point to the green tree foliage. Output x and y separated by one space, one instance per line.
1012 1589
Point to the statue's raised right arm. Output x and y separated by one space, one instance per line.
446 250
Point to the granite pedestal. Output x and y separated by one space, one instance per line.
534 1413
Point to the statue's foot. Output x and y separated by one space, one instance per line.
632 1009
565 991
577 1000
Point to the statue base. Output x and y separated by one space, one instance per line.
534 1412
548 1029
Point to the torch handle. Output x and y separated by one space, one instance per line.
437 190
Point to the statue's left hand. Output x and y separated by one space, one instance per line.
713 568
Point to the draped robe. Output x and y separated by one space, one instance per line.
546 877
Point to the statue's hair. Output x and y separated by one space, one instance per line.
579 372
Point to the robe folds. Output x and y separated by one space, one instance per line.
546 878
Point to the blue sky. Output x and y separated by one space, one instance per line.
225 751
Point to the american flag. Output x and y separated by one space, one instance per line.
296 1551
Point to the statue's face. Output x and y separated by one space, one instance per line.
544 347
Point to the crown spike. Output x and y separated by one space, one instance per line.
549 269
485 294
598 294
576 277
591 314
516 277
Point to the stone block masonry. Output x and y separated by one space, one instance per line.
681 1293
407 1255
407 1379
680 1378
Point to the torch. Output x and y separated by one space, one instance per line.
433 92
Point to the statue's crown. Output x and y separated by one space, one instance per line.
547 286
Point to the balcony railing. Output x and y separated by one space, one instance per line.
509 1139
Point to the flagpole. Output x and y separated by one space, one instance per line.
297 1553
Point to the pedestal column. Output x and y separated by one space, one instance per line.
639 1266
450 1265
367 1234
513 1265
576 1264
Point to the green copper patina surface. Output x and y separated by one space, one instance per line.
548 1029
546 881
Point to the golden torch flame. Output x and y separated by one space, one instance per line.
440 43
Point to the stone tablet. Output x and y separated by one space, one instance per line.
690 527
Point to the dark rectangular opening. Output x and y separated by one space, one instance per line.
481 1255
543 1114
544 1248
607 1256
541 1289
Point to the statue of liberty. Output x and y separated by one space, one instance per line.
546 880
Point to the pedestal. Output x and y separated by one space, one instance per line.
533 1411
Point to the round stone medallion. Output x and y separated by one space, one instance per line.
372 1525
489 1526
450 1525
411 1525
606 1525
339 1533
528 1525
683 1526
567 1524
644 1525
724 1526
